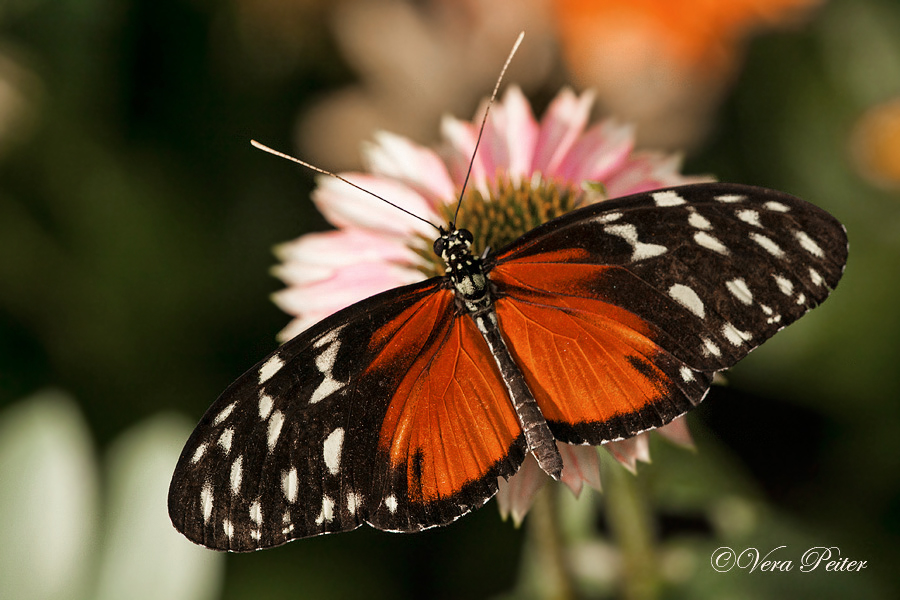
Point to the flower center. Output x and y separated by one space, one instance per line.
509 212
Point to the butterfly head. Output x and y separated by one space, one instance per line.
463 269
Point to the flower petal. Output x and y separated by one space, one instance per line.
581 464
601 151
648 171
630 450
510 137
561 126
460 137
516 495
394 156
678 433
346 206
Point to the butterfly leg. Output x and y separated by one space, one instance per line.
538 438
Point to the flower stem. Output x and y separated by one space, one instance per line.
545 566
631 525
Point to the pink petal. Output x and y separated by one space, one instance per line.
315 256
396 157
345 286
509 137
631 450
581 464
648 171
561 125
602 150
460 137
516 495
678 433
346 206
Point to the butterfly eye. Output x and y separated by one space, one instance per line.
439 246
466 235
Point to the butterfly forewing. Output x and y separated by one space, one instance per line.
357 420
653 293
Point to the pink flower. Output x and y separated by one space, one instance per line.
376 247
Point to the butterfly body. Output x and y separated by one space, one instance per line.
403 410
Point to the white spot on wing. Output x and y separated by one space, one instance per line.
228 528
325 363
809 244
265 406
738 288
206 501
354 501
698 221
225 439
801 299
609 217
815 277
290 485
734 335
223 414
767 244
198 453
269 368
236 474
686 374
710 347
331 450
710 242
640 250
667 198
776 206
256 512
688 298
751 217
784 284
391 503
327 512
275 423
730 198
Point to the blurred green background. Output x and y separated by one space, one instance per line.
136 227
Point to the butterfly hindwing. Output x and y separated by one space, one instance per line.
653 293
375 415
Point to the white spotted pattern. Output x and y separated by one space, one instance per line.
327 512
640 250
256 512
698 221
776 206
784 284
275 423
223 414
686 374
225 439
730 198
290 484
228 528
324 363
749 216
609 217
206 501
815 277
767 244
354 501
809 244
237 474
711 347
667 198
331 450
198 453
265 406
738 288
688 298
735 335
391 503
710 242
269 368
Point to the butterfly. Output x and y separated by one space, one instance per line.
403 410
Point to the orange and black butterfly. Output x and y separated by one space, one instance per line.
401 411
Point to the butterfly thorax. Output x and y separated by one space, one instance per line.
465 271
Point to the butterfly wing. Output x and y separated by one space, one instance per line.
619 313
390 412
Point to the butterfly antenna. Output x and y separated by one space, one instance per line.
265 148
484 122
